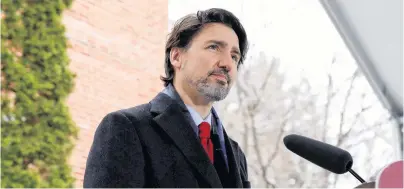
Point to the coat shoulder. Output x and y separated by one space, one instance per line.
242 158
127 118
139 115
237 147
139 112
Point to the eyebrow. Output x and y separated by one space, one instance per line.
224 44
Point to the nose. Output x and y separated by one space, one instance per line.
227 62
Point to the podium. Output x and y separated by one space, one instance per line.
391 176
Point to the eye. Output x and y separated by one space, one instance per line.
214 47
235 58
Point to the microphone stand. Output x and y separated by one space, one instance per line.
356 176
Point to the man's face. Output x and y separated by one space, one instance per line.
209 65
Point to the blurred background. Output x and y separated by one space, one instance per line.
300 77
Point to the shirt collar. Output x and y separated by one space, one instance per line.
198 118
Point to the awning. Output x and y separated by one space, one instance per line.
373 32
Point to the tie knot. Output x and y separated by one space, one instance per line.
204 130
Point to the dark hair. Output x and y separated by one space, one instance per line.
187 27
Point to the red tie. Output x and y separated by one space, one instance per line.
204 135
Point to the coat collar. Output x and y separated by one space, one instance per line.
175 121
173 117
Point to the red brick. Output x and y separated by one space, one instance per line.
117 52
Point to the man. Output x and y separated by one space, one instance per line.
177 140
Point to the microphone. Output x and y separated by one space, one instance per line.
322 154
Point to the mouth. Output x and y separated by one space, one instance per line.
220 77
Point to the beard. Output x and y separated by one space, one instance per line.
211 91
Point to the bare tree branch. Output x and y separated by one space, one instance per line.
272 68
259 153
250 115
371 128
286 119
342 136
357 116
280 134
274 65
254 169
241 90
327 106
240 84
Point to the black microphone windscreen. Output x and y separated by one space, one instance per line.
322 154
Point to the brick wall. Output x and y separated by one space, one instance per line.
117 52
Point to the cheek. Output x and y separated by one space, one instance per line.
195 69
202 65
234 73
234 78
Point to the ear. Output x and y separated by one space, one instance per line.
175 57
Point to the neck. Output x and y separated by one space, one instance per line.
193 99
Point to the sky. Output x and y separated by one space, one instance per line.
298 32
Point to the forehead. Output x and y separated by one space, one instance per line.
217 32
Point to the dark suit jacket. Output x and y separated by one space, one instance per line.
153 145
